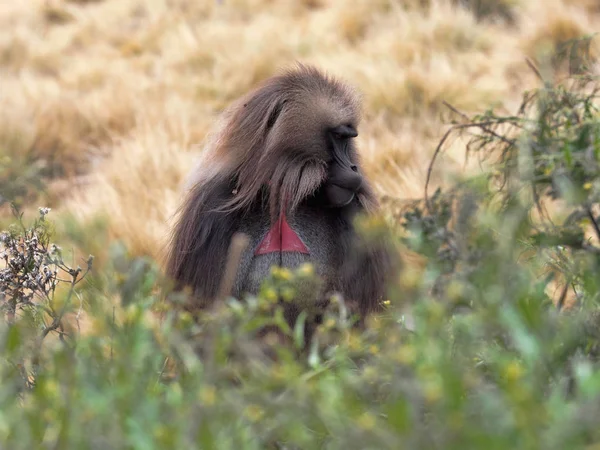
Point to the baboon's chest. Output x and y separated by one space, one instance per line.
306 236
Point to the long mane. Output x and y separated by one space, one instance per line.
245 158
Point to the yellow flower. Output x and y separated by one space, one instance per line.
288 293
455 290
185 317
329 323
208 395
254 412
306 270
270 295
433 391
285 274
150 320
132 311
354 342
373 349
278 372
160 431
514 371
587 186
410 278
370 373
51 388
366 421
406 354
436 311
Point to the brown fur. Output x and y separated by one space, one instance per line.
271 156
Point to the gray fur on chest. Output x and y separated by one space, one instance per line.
316 230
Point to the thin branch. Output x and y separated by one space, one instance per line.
439 149
594 222
112 333
430 168
481 125
563 296
56 323
535 69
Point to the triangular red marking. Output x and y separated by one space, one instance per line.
281 238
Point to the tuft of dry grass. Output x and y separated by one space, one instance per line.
136 190
494 10
117 96
56 15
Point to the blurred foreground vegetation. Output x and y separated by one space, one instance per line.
492 342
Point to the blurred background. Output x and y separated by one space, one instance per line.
106 103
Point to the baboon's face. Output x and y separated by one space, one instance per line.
322 132
343 175
311 125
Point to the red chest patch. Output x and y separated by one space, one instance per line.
281 238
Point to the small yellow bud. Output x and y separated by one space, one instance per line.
329 323
254 412
406 354
288 294
436 311
366 421
370 373
306 270
51 388
265 306
160 431
433 391
149 319
278 372
208 395
271 295
185 317
455 290
587 186
354 342
285 274
513 371
131 312
410 278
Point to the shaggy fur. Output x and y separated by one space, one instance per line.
271 157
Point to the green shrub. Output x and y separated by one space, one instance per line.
472 354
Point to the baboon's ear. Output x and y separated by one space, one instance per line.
274 113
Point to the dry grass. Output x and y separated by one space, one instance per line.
116 96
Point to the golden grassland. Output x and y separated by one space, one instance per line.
117 96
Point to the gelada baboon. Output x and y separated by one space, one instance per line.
284 171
